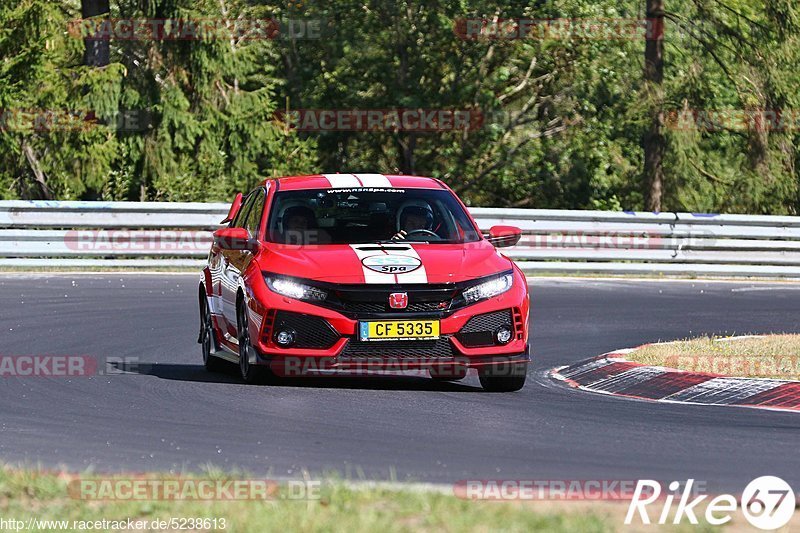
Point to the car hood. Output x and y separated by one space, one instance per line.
375 263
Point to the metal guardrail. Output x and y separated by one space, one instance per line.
165 235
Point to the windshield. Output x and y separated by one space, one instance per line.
364 215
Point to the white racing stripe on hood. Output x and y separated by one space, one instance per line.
370 276
374 180
415 276
342 181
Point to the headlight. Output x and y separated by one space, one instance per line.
490 288
296 290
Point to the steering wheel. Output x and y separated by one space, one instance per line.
425 231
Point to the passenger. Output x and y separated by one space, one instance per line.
300 227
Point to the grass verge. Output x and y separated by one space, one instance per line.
44 495
768 356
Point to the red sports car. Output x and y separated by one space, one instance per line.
362 271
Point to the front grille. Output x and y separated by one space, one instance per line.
355 350
366 301
476 339
312 332
413 307
365 307
479 330
487 321
425 306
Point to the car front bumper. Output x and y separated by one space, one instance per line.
328 339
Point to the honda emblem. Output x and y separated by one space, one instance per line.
398 300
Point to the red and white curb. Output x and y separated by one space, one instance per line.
613 374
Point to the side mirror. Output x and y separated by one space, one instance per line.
235 239
234 210
504 236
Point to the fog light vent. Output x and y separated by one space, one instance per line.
285 337
503 335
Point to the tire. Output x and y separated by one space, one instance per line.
251 374
503 378
207 341
447 373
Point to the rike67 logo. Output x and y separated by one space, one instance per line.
768 503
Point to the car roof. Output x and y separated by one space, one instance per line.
344 180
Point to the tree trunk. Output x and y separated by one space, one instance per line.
407 144
654 142
44 191
98 51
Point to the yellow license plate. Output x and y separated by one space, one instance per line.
398 330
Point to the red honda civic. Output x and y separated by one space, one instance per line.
332 272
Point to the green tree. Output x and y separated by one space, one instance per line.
209 105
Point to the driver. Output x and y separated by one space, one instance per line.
414 216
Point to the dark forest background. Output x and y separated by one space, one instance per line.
568 121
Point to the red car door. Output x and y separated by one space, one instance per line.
235 262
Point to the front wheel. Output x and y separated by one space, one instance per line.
252 374
507 377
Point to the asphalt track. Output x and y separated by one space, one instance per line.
173 416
